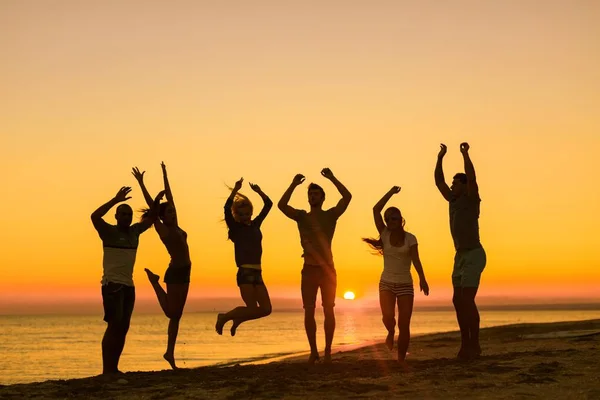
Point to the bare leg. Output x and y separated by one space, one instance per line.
310 326
472 320
110 353
405 307
161 295
457 300
258 294
387 302
177 296
329 331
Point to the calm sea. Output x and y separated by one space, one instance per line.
38 348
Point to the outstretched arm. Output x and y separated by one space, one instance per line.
267 204
440 182
168 192
139 177
378 208
229 220
416 260
472 187
97 215
342 205
289 211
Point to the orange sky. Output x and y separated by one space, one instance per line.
266 90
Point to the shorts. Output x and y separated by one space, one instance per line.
468 266
118 301
398 289
249 276
313 278
178 274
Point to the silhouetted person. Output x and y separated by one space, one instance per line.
470 257
246 236
120 243
399 249
177 276
316 230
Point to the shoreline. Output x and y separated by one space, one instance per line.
541 360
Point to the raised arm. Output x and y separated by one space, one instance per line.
97 215
378 208
342 205
229 220
267 204
440 182
139 177
289 211
416 260
152 215
168 192
472 187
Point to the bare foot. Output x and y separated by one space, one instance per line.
476 351
234 327
220 322
152 277
404 367
389 340
463 354
171 359
327 357
313 358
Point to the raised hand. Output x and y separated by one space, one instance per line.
159 196
255 187
443 150
424 287
395 189
139 176
464 147
238 184
122 194
163 166
326 172
298 179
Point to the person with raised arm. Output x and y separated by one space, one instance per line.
399 249
177 276
119 243
246 236
470 257
316 229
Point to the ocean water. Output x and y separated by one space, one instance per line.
38 348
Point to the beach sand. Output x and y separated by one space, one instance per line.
526 361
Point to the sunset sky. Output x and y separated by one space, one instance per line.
268 89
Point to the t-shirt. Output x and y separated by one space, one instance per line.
397 259
247 239
464 222
120 249
316 234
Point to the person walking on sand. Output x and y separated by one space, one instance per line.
316 229
246 236
119 243
470 258
399 249
177 276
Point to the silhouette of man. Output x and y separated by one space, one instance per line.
316 229
470 257
120 243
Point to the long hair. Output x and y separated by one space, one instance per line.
162 208
377 244
239 201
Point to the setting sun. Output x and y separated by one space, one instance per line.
349 296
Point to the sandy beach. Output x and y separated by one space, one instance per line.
525 361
